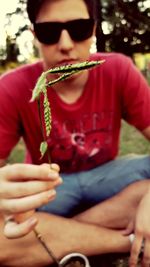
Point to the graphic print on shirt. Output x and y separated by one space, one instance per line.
82 142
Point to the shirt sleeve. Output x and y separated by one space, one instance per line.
135 95
10 126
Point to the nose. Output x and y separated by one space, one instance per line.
65 42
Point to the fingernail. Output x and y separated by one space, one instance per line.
32 221
53 175
60 180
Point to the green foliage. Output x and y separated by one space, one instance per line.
124 26
47 114
43 148
41 88
67 71
75 67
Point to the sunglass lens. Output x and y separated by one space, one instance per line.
47 33
81 29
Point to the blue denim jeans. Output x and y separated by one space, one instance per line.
85 189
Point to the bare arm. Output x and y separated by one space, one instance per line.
142 232
63 236
146 132
141 225
26 187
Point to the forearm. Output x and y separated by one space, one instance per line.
67 235
62 236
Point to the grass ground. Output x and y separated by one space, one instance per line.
132 141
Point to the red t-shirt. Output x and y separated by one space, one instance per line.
84 134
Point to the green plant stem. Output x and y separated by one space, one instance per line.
41 127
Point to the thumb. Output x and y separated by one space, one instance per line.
20 217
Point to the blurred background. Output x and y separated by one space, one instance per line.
123 26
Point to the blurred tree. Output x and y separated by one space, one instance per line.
12 50
20 15
16 23
124 26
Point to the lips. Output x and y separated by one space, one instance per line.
66 62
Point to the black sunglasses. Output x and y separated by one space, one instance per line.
49 32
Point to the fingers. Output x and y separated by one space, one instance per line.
14 230
29 172
22 189
55 167
135 250
24 186
146 253
140 245
24 204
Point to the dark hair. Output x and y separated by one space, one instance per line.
33 7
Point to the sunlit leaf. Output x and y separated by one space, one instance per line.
39 87
76 67
43 148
